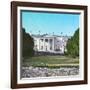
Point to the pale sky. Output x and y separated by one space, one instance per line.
36 22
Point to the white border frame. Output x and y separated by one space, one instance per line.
51 79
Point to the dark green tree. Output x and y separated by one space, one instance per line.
73 45
27 44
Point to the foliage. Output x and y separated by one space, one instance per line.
27 44
73 45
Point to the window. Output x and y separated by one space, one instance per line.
35 47
42 40
46 40
46 48
50 47
41 47
50 40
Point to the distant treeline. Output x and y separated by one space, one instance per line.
27 44
73 45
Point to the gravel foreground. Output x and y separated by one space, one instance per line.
30 72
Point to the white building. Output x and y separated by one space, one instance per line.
50 43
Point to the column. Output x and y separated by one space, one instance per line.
48 44
53 44
39 44
44 44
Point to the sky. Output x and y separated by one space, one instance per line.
50 23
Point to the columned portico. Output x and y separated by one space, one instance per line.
51 44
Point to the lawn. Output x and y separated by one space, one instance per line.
51 61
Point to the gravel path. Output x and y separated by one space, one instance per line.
29 72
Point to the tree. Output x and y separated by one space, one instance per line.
27 44
73 44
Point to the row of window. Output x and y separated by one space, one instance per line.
46 40
43 47
49 40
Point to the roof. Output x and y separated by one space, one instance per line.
47 35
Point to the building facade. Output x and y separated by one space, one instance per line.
50 43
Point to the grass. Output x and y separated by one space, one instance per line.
51 61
